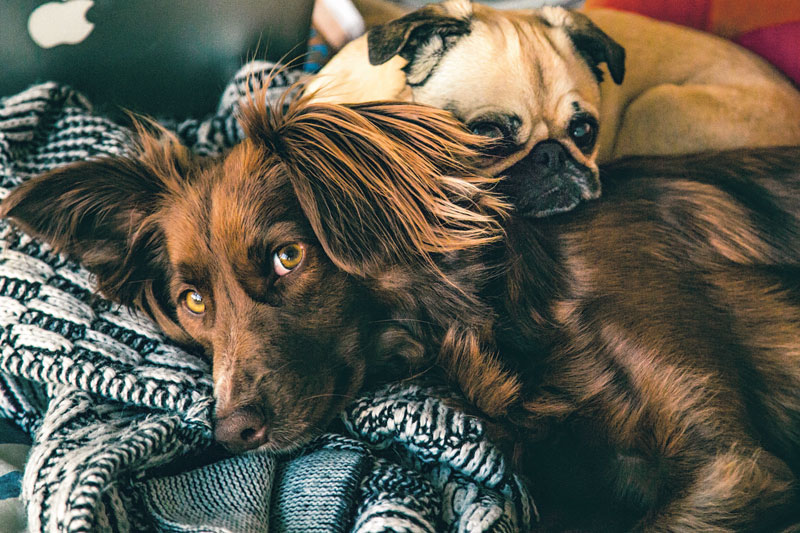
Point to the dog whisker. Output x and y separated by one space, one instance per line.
419 374
326 395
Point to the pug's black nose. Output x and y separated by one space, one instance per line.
241 430
548 156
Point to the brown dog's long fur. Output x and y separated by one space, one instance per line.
640 356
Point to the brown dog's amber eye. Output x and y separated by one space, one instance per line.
287 258
194 302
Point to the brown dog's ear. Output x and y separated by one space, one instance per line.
592 43
99 212
420 37
381 183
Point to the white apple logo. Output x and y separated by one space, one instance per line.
56 23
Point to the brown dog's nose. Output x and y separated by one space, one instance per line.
242 430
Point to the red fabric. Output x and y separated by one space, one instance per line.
770 28
692 13
778 44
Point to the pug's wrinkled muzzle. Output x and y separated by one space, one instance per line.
549 181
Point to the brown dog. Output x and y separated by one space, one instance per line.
563 90
655 334
658 334
301 261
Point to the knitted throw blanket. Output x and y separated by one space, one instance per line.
121 418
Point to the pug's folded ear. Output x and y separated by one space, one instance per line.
420 37
592 43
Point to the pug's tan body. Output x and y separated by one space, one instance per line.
687 91
683 91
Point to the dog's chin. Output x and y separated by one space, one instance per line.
280 446
285 431
283 439
558 199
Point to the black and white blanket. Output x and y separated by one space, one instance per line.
120 418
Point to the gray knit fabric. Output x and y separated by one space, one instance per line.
121 417
215 497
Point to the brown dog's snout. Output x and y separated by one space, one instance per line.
242 430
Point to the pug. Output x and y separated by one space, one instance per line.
560 91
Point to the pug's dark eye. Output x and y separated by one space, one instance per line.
500 130
583 132
491 130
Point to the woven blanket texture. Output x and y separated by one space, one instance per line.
121 418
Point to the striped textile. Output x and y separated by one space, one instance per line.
121 419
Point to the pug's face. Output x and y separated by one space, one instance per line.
527 79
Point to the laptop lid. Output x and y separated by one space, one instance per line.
169 58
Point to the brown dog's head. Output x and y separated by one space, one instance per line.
267 258
528 79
